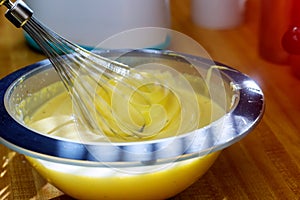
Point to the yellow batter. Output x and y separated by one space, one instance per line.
154 110
161 111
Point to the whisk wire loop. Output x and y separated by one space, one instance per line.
84 73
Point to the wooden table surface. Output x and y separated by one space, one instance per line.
263 165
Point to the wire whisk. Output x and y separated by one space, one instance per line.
80 70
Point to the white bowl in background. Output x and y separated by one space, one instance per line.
90 22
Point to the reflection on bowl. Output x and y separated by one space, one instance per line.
158 168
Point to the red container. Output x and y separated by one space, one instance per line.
274 21
279 36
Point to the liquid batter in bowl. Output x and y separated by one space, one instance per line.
163 111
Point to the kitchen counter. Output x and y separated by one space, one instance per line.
263 165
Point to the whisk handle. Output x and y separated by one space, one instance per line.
18 13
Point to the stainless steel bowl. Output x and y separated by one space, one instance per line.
187 155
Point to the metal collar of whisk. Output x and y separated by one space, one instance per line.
18 13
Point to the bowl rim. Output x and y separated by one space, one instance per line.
235 125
